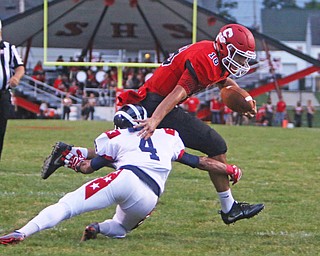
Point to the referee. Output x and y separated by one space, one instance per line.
11 71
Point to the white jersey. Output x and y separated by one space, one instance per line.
154 156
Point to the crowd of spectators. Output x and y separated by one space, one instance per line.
265 114
95 86
66 79
213 111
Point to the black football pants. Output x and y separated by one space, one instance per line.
194 132
5 106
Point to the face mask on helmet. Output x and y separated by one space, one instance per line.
237 62
236 46
125 116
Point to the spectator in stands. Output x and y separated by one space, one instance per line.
74 88
110 85
92 103
12 71
141 77
132 82
192 105
281 111
62 70
84 106
310 113
72 70
59 84
114 75
269 112
277 66
91 80
105 83
59 59
52 113
227 115
215 108
128 70
298 111
67 103
38 72
66 82
43 110
261 116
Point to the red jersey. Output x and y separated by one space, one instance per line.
192 104
38 68
202 57
215 105
281 106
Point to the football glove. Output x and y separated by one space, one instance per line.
84 151
73 161
234 172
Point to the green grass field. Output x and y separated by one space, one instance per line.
281 170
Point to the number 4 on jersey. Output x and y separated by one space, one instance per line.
147 146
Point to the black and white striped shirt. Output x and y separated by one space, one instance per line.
9 59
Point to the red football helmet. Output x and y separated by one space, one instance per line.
235 45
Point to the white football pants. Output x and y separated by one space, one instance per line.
134 199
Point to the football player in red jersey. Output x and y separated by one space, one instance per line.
191 69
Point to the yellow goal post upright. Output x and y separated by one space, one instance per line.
119 65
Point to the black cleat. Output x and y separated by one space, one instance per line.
241 211
90 232
12 238
55 159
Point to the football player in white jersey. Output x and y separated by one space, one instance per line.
142 167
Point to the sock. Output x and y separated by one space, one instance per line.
29 229
226 200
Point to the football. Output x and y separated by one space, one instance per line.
237 99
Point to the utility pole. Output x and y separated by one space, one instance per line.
255 24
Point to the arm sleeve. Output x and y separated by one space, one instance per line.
99 162
190 160
182 156
188 82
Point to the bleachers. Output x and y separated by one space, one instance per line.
38 91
